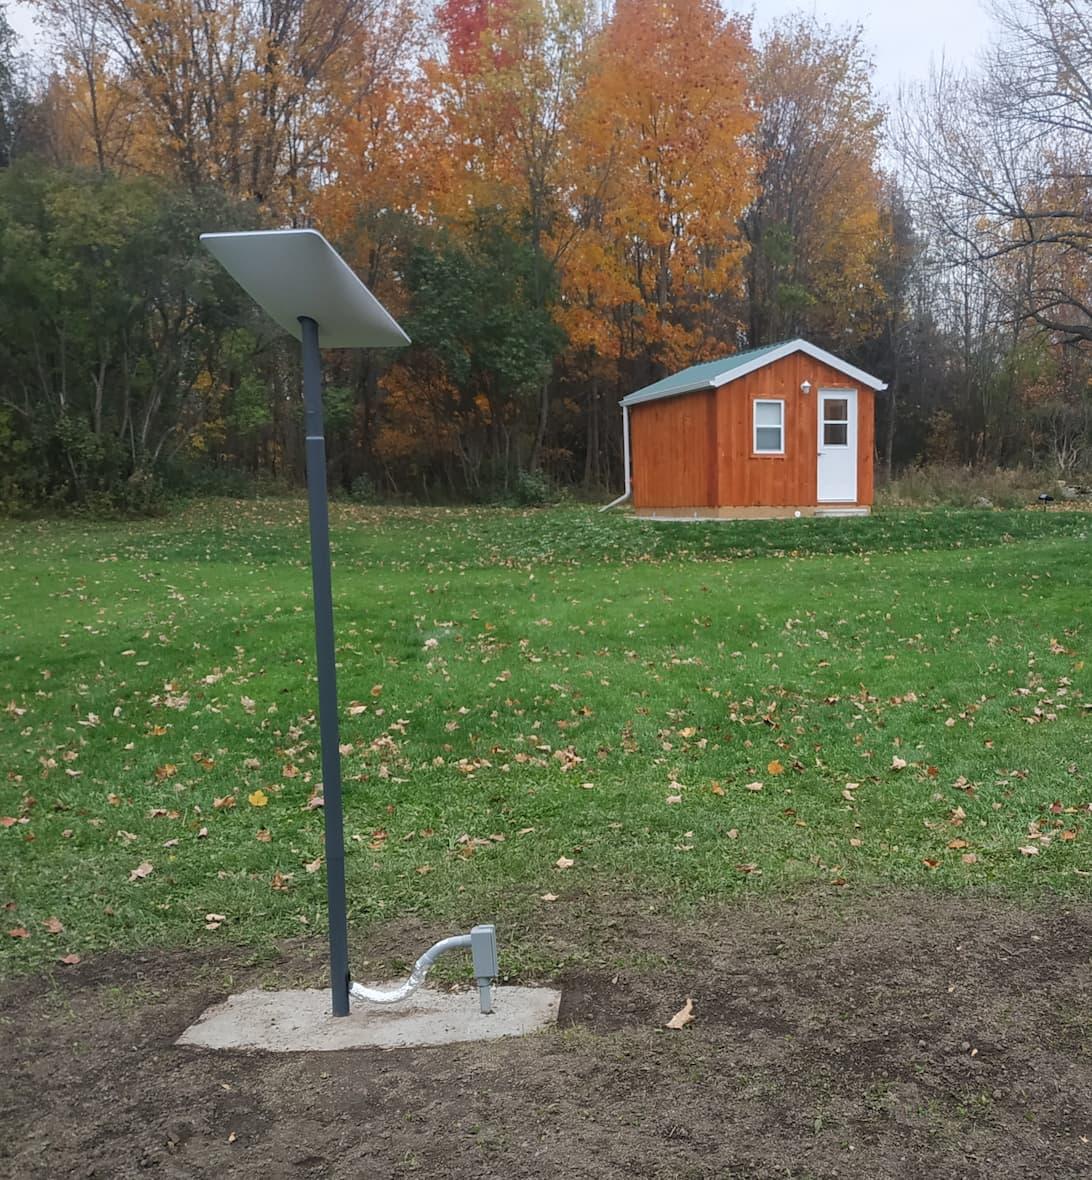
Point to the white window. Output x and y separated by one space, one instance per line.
769 427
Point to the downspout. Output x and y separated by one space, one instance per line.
625 462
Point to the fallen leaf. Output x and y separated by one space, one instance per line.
673 799
313 866
930 863
969 858
563 862
683 1017
141 871
423 869
54 925
19 932
547 897
202 833
165 771
69 960
752 787
751 868
774 767
252 764
733 833
224 803
248 704
257 798
957 843
898 763
264 835
1030 850
717 789
314 801
214 921
280 881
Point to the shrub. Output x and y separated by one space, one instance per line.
931 485
531 489
363 490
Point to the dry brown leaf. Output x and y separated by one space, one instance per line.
969 858
141 871
774 767
313 866
263 835
673 799
898 763
19 932
563 862
752 787
683 1017
717 789
54 925
69 960
224 803
1030 850
547 897
280 881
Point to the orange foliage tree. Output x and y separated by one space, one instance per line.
817 231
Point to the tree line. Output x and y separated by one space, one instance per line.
561 200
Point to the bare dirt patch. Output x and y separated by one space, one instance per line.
839 1036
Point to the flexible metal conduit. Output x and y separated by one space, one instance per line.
481 942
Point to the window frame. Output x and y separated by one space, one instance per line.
767 401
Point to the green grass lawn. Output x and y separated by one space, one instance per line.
686 711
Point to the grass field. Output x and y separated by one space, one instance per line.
682 711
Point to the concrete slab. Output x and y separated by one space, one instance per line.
300 1021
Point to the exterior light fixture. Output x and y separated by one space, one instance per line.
805 387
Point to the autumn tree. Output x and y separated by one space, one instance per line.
816 227
1001 161
666 172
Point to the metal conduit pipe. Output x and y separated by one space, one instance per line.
481 942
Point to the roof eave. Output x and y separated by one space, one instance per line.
635 399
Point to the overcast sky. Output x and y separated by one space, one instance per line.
904 35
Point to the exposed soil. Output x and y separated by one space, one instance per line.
893 1036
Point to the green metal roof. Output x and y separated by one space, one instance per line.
699 376
713 374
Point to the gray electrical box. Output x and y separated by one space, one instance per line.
483 950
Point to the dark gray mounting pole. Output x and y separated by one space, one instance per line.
327 675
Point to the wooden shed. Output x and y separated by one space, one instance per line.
775 431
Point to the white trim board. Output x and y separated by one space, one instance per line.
760 362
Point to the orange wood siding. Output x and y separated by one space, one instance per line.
673 452
696 450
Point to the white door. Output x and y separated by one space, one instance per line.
837 445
